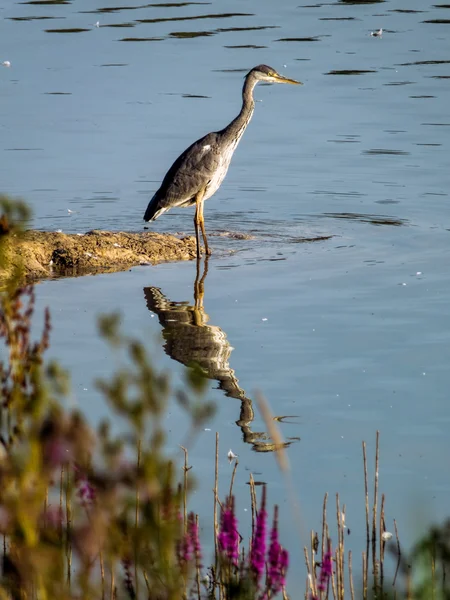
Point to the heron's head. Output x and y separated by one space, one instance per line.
265 73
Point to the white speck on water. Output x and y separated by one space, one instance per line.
313 329
424 373
152 316
85 389
377 33
264 319
419 273
71 212
386 535
207 429
97 24
403 283
231 455
6 63
59 231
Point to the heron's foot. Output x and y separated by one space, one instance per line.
208 252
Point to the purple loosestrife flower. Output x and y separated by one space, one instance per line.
278 559
258 549
192 533
228 535
326 572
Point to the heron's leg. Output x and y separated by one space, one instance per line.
202 225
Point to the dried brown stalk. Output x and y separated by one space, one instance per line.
236 462
308 570
350 575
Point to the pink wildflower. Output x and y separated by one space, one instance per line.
258 550
228 535
278 559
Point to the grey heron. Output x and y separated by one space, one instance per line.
199 171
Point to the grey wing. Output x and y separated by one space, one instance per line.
190 173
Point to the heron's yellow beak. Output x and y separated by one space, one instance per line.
281 79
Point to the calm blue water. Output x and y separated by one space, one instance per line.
350 334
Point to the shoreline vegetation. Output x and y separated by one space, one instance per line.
90 514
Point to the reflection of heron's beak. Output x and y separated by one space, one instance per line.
281 79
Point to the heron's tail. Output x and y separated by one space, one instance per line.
154 210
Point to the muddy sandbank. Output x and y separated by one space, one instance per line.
43 254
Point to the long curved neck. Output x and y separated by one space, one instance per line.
237 127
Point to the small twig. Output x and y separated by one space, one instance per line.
350 575
236 462
308 570
313 558
365 574
399 554
197 564
382 529
185 483
333 578
253 503
324 524
366 492
375 510
339 552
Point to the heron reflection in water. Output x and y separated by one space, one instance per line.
189 339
